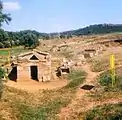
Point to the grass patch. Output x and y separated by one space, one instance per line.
3 52
14 52
106 112
76 78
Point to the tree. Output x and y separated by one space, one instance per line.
4 17
31 40
1 45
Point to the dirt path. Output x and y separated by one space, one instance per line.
80 97
33 86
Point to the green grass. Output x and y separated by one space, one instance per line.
106 112
3 53
14 52
76 78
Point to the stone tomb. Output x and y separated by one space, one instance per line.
33 65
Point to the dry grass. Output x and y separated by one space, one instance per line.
102 62
44 105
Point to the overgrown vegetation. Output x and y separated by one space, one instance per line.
106 81
106 112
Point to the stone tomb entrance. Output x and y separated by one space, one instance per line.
13 74
34 72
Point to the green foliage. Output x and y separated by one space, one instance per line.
106 80
76 78
31 40
1 45
2 74
96 29
4 18
107 112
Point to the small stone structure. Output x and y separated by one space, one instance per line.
33 65
64 68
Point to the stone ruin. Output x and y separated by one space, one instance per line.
64 68
34 65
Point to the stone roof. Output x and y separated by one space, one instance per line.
35 52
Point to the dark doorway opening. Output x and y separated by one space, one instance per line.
13 74
65 70
34 73
87 87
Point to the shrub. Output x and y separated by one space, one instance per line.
106 80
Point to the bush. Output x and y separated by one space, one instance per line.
106 80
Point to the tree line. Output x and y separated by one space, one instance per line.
26 38
30 38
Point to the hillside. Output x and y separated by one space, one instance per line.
95 29
29 38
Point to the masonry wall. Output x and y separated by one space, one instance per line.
24 71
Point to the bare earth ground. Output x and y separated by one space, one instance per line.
33 86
